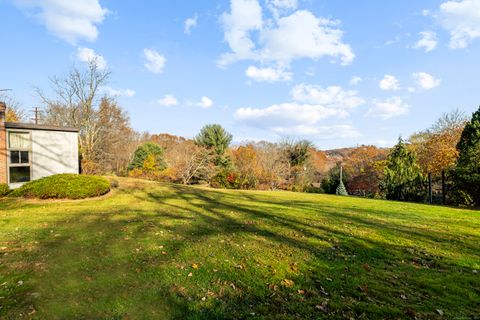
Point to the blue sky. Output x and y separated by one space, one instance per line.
337 72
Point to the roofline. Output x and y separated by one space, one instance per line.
31 126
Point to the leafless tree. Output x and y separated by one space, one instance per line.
76 102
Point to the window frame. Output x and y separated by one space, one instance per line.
29 150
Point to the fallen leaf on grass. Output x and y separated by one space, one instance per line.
194 266
363 288
190 274
323 306
366 267
440 312
287 283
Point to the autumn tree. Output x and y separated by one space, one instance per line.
187 161
117 141
403 179
273 167
148 161
247 168
14 111
436 147
467 168
363 166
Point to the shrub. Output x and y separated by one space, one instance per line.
4 189
64 186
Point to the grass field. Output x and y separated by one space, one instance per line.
160 251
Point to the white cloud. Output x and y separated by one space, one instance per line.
190 23
154 61
303 116
389 83
342 131
355 80
205 102
69 20
428 41
119 92
389 108
88 55
462 20
425 81
278 7
245 16
332 97
168 100
296 36
292 113
268 74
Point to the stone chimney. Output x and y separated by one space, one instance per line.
3 144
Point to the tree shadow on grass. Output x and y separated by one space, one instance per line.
134 262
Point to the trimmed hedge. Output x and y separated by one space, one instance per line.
64 186
4 189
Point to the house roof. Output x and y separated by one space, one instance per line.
31 126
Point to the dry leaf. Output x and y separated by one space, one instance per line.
287 283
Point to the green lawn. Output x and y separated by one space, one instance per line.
160 251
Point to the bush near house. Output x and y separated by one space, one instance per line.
64 186
4 189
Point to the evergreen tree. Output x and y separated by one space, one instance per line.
341 190
403 178
148 156
215 139
467 169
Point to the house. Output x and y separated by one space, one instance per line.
29 151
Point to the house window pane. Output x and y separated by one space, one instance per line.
14 157
19 140
24 157
19 174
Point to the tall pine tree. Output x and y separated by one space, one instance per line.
403 178
467 169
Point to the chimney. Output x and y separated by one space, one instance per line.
3 111
3 144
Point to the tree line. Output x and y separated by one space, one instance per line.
109 145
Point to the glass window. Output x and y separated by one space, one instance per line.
24 157
19 174
19 140
14 157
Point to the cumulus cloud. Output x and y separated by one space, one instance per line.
428 41
342 131
295 36
154 61
425 81
69 20
205 102
355 80
279 7
304 115
292 113
462 20
245 17
168 100
268 74
332 97
119 92
88 55
389 108
389 83
190 23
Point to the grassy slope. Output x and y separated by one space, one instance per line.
129 256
